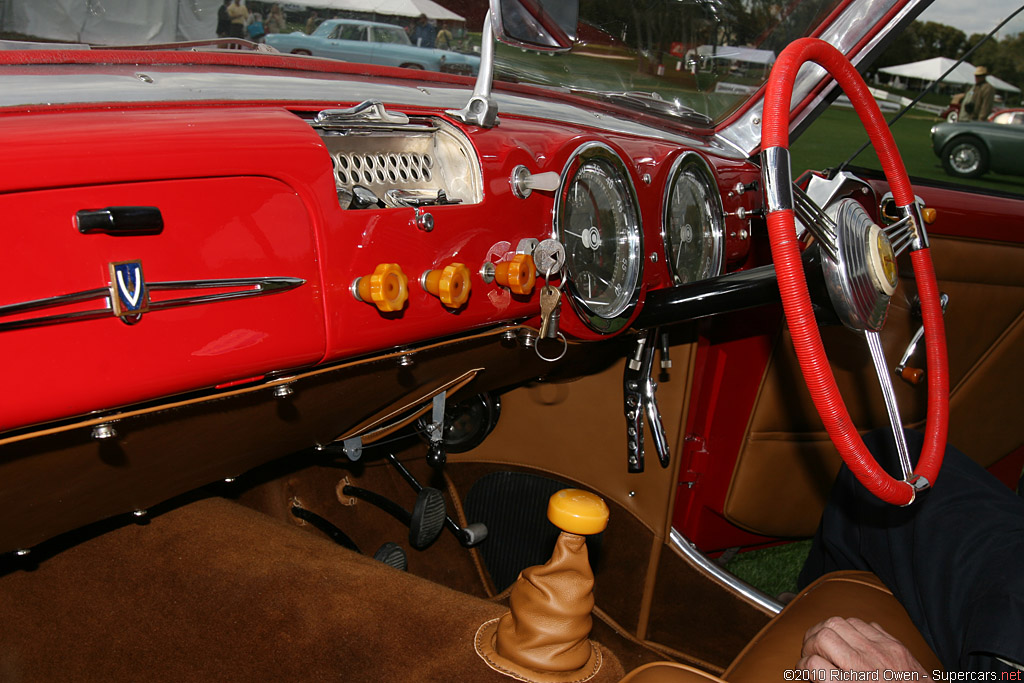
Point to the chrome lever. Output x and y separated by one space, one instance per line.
639 390
370 111
915 375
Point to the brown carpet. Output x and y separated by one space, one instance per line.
215 591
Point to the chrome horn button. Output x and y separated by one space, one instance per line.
864 276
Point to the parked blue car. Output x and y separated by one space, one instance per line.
969 149
372 42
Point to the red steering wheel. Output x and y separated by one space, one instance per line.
796 300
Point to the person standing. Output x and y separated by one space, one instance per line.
978 103
312 22
423 33
275 22
223 20
444 38
239 19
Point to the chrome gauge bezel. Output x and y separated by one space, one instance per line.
617 315
703 172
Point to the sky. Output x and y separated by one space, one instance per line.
976 16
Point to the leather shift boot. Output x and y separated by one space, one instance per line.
545 636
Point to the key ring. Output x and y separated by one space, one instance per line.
547 277
565 348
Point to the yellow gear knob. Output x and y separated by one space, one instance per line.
450 285
578 512
387 288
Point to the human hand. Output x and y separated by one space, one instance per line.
854 645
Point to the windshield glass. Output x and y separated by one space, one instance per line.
703 55
695 61
664 56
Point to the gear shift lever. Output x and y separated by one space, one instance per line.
545 635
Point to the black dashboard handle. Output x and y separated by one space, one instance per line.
120 221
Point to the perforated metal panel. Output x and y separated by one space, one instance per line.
514 507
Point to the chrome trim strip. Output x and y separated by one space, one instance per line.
731 581
778 179
50 302
259 286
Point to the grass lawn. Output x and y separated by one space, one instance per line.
837 134
772 570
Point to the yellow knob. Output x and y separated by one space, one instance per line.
578 512
519 274
387 288
929 215
450 285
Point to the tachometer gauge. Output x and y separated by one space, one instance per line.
693 221
597 220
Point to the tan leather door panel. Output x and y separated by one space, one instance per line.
787 463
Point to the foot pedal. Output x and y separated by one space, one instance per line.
428 517
469 535
425 521
320 523
392 555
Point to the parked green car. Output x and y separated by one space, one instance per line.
969 149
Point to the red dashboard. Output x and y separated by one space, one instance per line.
249 192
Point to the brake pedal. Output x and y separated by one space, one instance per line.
425 521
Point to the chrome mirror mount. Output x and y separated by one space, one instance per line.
543 26
481 110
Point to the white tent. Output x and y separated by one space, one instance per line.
931 69
113 22
732 53
397 8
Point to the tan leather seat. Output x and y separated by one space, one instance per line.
776 647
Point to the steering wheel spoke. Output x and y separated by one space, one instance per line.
891 406
820 225
901 234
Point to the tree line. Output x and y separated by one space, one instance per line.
650 26
1004 56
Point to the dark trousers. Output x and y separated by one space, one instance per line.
954 559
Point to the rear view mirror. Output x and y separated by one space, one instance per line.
548 25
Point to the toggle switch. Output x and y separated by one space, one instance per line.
387 288
524 183
450 284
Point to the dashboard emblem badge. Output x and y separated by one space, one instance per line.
129 296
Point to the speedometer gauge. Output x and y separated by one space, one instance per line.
693 221
597 221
